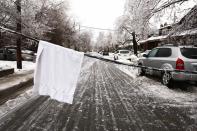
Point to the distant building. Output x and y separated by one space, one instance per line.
182 33
165 30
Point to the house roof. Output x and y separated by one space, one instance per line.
192 12
185 23
154 38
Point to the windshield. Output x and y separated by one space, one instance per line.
124 52
190 53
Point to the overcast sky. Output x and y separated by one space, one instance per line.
97 13
103 13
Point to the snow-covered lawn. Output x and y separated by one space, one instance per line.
27 65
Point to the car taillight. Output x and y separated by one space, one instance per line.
179 64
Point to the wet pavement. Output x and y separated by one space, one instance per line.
106 99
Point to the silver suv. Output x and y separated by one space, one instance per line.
171 58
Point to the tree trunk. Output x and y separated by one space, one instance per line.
134 43
18 29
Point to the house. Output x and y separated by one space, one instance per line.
182 33
155 41
185 32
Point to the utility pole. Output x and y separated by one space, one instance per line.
18 29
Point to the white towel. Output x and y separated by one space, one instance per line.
57 71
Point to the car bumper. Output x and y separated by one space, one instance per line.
182 76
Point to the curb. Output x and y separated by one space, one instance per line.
5 72
4 94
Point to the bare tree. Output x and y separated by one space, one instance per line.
137 15
84 41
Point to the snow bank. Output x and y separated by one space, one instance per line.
27 65
95 54
131 71
152 87
178 96
87 63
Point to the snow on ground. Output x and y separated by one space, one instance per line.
27 65
131 71
177 95
152 86
13 103
19 100
95 54
149 86
87 63
133 58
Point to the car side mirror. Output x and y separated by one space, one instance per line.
145 55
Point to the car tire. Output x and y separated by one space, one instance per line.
195 83
141 71
167 80
4 57
114 58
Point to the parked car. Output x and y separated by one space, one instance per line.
122 54
182 58
104 52
9 53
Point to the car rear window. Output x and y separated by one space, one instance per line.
124 52
190 53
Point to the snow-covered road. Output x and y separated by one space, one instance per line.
110 99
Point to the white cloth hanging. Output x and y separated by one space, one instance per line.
57 71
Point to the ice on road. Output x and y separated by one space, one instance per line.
110 97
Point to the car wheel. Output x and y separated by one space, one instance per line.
114 58
196 83
141 71
167 80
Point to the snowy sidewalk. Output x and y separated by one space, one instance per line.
13 83
17 81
